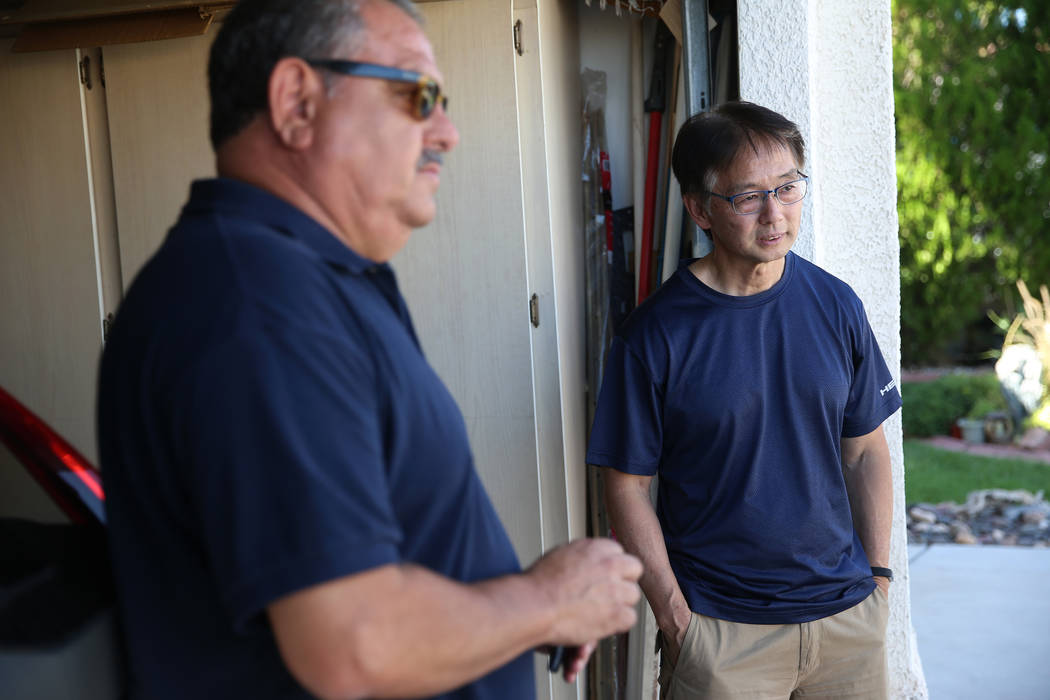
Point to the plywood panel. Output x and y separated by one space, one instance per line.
464 275
157 100
50 329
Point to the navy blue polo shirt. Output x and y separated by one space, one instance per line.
267 422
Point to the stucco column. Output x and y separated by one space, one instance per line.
827 65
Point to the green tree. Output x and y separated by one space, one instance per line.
972 113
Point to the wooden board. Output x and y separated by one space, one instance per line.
53 10
106 31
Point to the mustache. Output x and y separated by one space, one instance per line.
430 156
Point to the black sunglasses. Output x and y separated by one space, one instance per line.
427 94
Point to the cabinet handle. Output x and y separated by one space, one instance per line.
85 72
517 39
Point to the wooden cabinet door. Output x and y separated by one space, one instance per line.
469 276
157 104
464 276
50 321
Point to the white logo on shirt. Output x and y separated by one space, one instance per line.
883 390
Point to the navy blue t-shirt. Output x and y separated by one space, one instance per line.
267 422
740 405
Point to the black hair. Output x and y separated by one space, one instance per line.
709 142
259 33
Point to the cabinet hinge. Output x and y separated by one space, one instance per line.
518 46
534 311
107 323
85 72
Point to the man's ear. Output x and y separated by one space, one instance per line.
294 93
697 212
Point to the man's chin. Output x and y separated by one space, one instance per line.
422 214
778 249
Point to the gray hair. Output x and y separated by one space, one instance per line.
259 33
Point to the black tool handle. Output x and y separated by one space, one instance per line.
657 99
557 659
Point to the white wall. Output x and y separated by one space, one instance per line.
843 102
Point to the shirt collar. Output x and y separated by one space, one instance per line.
251 202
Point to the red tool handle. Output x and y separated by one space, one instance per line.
651 167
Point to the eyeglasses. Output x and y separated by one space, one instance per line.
427 94
747 203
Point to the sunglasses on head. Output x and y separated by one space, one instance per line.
426 97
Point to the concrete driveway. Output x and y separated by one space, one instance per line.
982 620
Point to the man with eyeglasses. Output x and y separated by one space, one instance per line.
292 503
752 384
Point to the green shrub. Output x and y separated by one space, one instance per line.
930 408
971 168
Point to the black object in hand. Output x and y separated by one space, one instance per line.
557 659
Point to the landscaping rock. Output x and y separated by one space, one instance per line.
991 516
961 533
1035 515
1035 438
922 515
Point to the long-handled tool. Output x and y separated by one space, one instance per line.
654 106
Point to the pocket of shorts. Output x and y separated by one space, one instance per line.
683 676
882 605
690 633
685 641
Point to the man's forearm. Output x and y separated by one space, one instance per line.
404 631
638 530
869 483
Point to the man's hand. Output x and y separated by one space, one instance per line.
593 587
883 583
401 630
674 631
577 660
632 514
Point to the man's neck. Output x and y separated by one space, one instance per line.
251 159
737 280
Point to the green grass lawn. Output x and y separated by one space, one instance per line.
932 475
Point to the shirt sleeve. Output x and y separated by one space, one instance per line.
281 441
873 396
627 433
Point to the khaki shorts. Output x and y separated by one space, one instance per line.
841 656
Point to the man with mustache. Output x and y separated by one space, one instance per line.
292 503
752 384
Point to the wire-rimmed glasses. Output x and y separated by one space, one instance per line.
748 203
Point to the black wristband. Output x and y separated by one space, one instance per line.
882 571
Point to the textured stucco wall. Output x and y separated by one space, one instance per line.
838 54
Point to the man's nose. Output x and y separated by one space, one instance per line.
772 209
441 132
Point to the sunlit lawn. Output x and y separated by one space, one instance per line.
933 475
